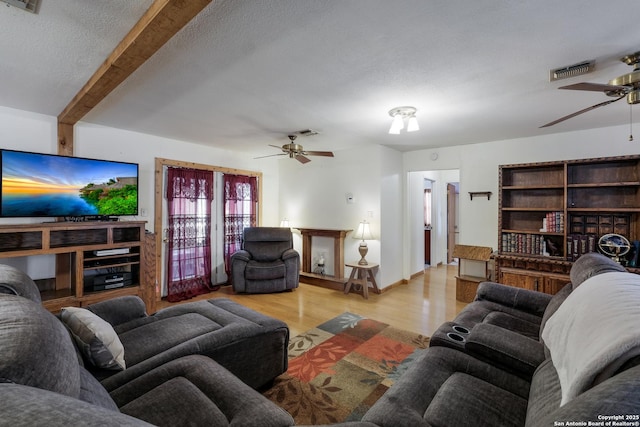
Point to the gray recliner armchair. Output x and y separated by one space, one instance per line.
267 261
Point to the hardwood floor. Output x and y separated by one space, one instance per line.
419 306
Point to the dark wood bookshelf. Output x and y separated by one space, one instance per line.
590 198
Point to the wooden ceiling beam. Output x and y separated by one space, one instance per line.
161 21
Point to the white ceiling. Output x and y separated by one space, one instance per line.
243 74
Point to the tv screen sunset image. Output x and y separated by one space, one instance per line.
48 185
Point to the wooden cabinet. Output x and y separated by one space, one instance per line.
553 284
534 281
524 280
467 284
94 261
553 212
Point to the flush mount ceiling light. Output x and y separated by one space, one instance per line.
399 115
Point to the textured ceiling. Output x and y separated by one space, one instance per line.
243 74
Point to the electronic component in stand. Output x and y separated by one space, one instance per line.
101 282
116 251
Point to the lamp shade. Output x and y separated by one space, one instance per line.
363 232
397 124
412 124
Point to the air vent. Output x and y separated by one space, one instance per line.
578 69
28 5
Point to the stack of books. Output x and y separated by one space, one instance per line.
553 222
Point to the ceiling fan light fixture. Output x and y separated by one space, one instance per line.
399 115
297 151
633 97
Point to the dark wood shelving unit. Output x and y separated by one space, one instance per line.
584 199
76 246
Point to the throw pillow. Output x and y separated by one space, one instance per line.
95 337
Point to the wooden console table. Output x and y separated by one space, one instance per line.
336 281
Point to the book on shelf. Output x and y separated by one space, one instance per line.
580 244
524 243
553 222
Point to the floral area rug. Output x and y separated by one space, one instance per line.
340 368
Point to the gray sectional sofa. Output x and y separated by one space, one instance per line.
80 369
227 332
581 367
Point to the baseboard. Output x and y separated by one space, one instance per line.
416 274
394 285
329 282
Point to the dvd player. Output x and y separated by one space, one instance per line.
108 286
116 251
101 282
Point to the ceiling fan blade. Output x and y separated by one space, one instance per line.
319 153
302 159
271 155
577 113
596 87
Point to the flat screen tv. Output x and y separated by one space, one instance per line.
49 185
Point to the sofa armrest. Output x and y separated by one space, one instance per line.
119 310
615 399
290 253
505 349
241 255
521 299
24 405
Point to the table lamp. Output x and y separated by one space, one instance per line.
363 233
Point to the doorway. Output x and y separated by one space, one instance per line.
453 196
428 213
443 230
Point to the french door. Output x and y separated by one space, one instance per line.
217 228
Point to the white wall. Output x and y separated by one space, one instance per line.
391 217
313 195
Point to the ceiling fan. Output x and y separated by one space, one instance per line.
297 151
625 86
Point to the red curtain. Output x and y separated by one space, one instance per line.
189 196
240 201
